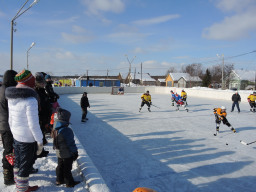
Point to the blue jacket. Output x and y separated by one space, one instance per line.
177 97
65 142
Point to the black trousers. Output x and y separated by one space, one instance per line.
84 113
145 102
63 171
7 140
224 121
25 157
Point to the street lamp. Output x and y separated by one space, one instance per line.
28 51
18 14
130 66
222 71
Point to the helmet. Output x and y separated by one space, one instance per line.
171 91
147 91
223 107
143 189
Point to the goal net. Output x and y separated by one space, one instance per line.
117 91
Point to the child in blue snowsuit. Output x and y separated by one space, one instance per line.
66 149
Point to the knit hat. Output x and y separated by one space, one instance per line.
25 77
47 77
8 79
63 114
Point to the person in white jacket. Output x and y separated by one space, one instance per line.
24 125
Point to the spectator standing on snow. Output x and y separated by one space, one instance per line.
7 137
53 97
236 100
24 124
45 109
66 149
84 103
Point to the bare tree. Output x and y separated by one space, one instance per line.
216 73
171 70
194 69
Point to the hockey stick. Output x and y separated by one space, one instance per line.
155 106
244 143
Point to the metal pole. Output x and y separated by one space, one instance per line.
222 79
141 73
18 14
11 46
27 60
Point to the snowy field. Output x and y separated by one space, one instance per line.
167 150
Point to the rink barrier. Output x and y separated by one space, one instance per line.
194 92
90 173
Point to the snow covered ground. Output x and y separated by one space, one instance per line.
166 150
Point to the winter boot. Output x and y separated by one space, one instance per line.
8 177
32 188
33 170
73 184
22 185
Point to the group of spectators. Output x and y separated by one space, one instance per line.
26 109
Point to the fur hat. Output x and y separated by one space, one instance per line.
39 77
25 77
8 79
63 114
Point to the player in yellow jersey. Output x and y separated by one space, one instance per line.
146 99
251 99
184 96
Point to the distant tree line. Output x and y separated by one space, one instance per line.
210 76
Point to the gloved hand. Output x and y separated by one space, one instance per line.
39 148
75 156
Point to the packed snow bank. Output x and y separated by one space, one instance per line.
92 178
202 92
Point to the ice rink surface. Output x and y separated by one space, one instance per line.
167 150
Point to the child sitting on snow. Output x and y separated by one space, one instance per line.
66 149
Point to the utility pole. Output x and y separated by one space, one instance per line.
87 78
141 74
222 73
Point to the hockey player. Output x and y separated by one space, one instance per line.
251 99
220 116
179 102
146 99
173 95
184 96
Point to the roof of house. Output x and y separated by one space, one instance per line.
245 75
186 76
145 77
161 80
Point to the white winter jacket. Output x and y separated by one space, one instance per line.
23 114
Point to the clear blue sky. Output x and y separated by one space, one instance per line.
95 35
